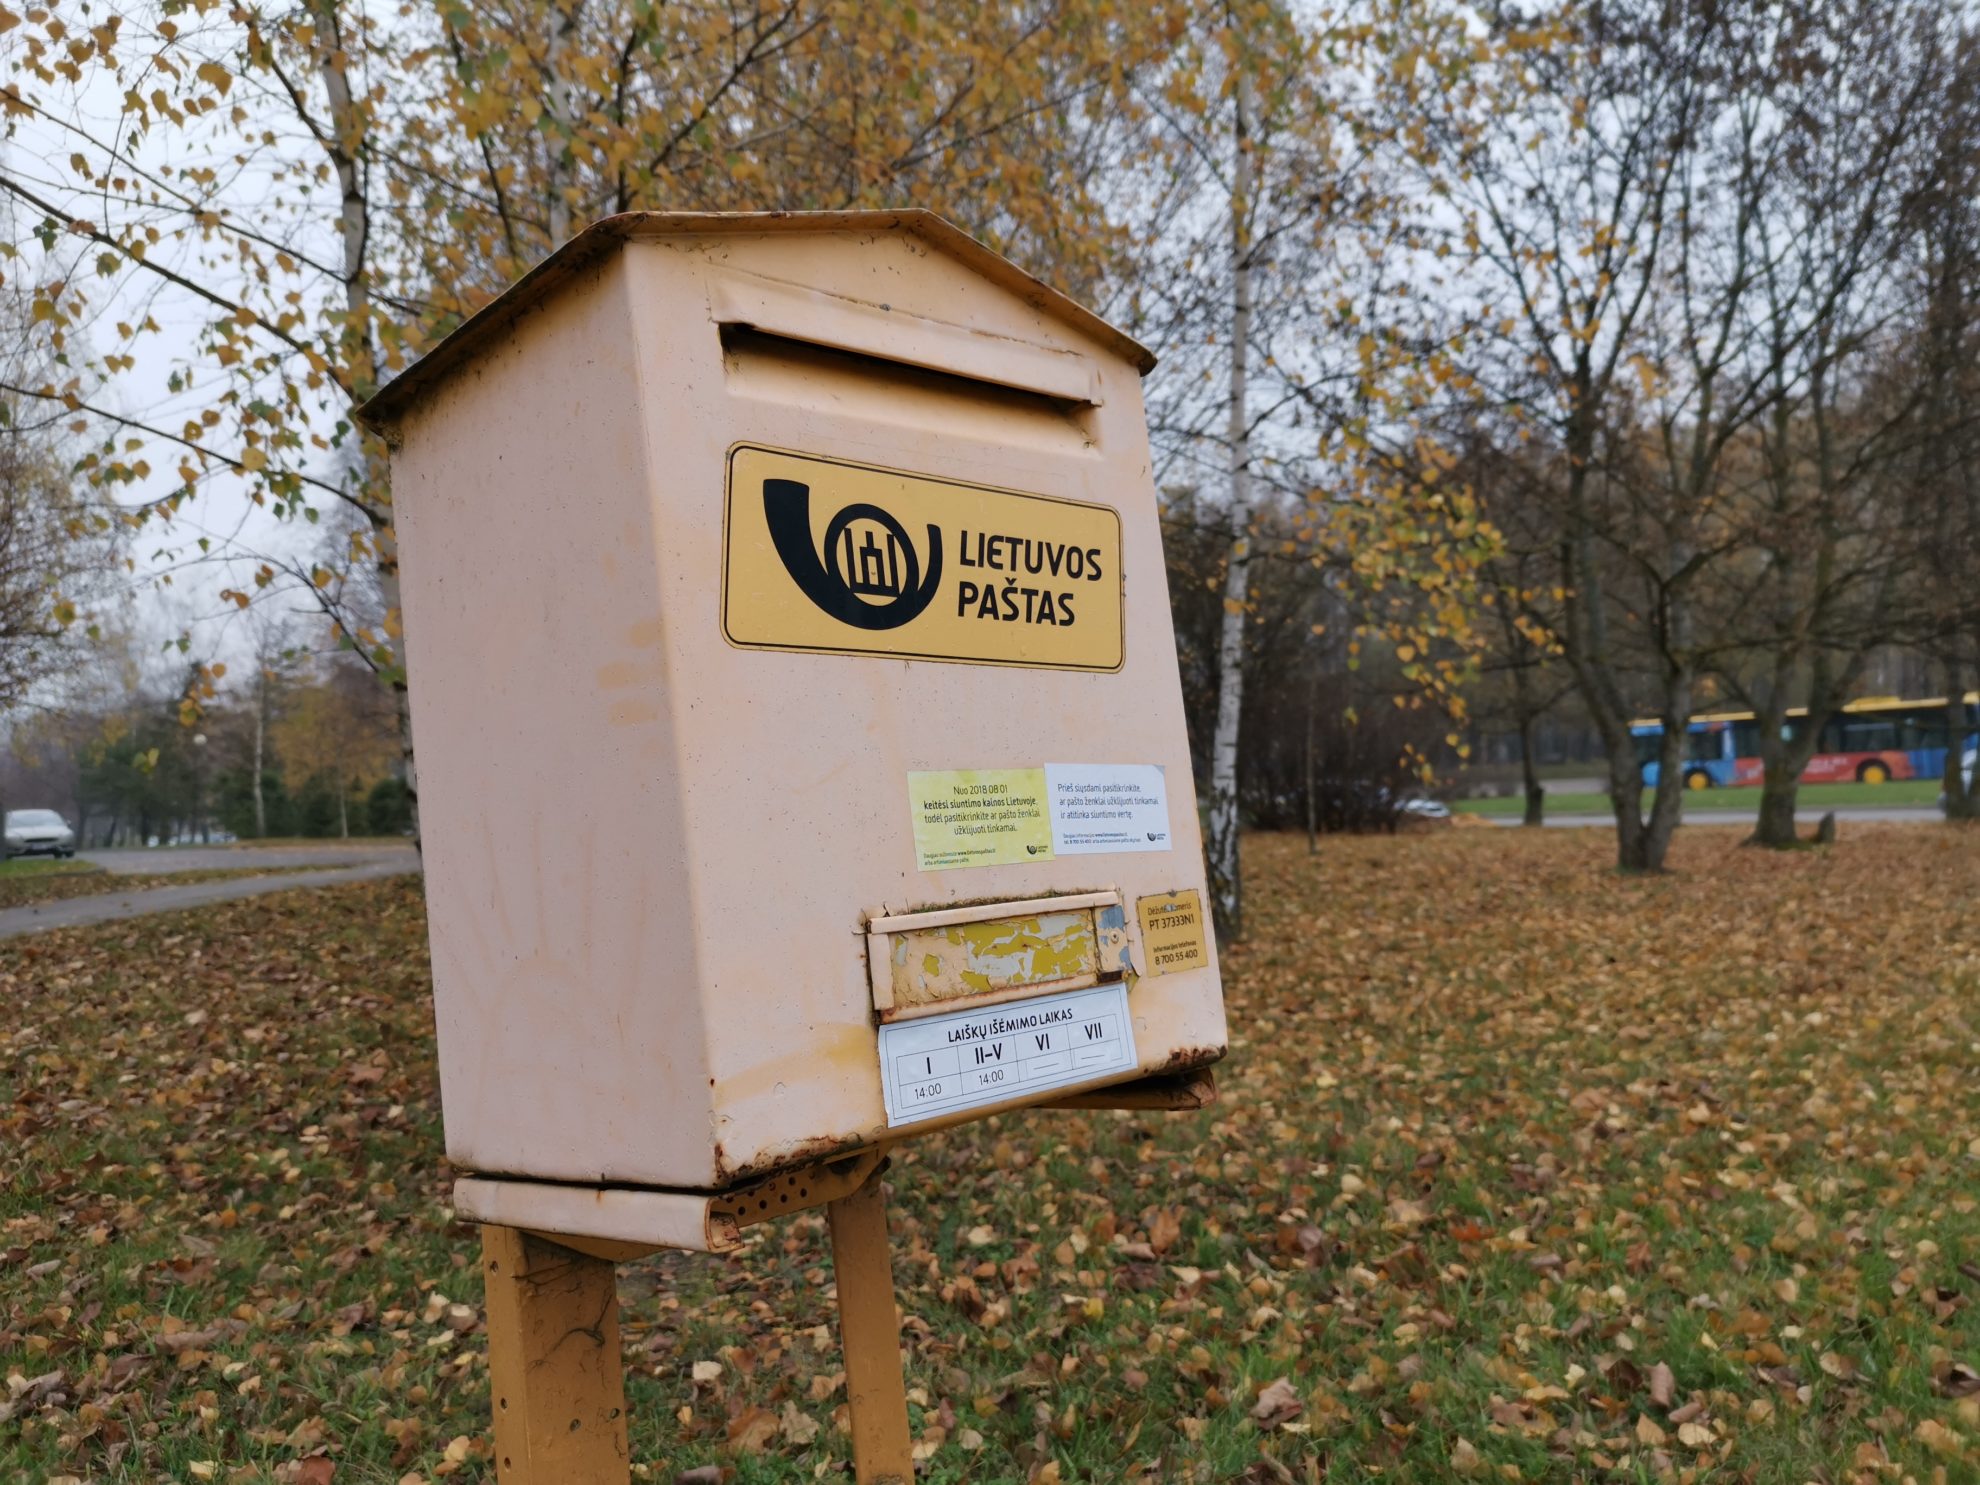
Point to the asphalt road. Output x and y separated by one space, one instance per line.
139 862
1845 815
349 864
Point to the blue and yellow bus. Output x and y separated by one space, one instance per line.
1871 741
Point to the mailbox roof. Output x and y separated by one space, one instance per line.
399 395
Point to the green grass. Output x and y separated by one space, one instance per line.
1897 794
1509 773
28 879
43 866
1502 1136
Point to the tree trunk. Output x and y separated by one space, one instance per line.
1585 647
1626 800
1785 752
1312 804
1962 802
1782 759
1667 804
557 138
1536 793
1780 789
343 809
1643 843
388 585
1666 809
260 730
1226 884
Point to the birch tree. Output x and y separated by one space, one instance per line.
1265 239
1253 150
1226 874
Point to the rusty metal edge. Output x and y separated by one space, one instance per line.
1180 1092
624 1222
397 397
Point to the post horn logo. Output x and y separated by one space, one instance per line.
868 556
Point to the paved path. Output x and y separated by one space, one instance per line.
138 861
1845 815
108 907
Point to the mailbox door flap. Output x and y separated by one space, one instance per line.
819 317
924 963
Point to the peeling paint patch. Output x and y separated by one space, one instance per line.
962 959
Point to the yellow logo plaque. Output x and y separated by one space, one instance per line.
831 556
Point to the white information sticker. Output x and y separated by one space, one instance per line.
944 1064
1099 807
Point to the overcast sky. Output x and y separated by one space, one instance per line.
175 588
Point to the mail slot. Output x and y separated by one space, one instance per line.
925 963
801 745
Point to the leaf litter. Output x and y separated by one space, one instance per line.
1520 1170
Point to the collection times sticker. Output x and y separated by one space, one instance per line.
946 1064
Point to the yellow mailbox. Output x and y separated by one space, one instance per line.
802 748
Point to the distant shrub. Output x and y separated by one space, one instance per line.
388 808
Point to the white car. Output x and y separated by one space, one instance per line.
1422 807
36 833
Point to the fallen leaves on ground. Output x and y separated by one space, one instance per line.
1521 1171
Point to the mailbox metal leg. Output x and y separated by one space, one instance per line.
555 1374
869 1333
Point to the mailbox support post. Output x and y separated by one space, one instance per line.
554 1369
870 1336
